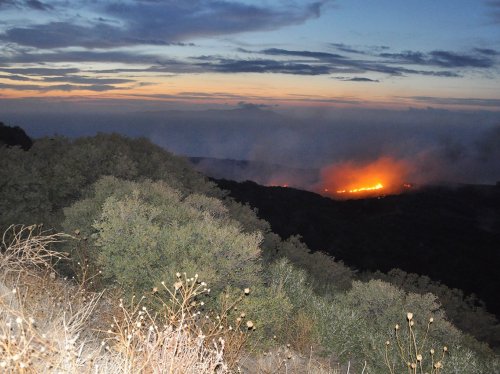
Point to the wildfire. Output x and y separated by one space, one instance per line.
356 180
378 186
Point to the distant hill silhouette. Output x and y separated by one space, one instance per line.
14 136
260 172
449 234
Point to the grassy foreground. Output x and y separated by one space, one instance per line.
52 324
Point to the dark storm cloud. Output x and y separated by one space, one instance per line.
40 71
406 57
487 51
337 63
187 19
458 101
357 79
160 23
86 56
38 5
14 77
59 87
33 4
87 80
264 66
304 63
64 34
456 60
446 59
325 56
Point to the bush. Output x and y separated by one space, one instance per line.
51 325
144 232
360 321
38 183
467 313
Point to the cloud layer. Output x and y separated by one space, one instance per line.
109 45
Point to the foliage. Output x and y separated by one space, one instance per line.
326 274
36 184
24 196
51 325
140 233
467 313
152 216
14 136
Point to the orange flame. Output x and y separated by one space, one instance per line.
356 180
378 186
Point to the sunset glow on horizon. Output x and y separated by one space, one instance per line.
286 53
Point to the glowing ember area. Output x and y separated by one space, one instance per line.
351 180
378 186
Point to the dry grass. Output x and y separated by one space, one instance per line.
51 325
285 360
413 354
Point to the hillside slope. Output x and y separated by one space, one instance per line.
451 235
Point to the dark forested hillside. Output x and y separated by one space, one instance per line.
449 234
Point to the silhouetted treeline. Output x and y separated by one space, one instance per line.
14 136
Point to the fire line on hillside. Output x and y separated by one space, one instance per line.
348 180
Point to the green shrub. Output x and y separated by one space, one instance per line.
141 233
38 183
467 313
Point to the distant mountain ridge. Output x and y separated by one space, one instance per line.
260 172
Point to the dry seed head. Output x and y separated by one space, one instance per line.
409 316
445 349
396 327
419 358
247 291
431 320
249 324
387 342
412 323
432 351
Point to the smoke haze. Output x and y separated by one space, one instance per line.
291 146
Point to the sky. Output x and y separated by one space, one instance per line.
218 53
321 84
